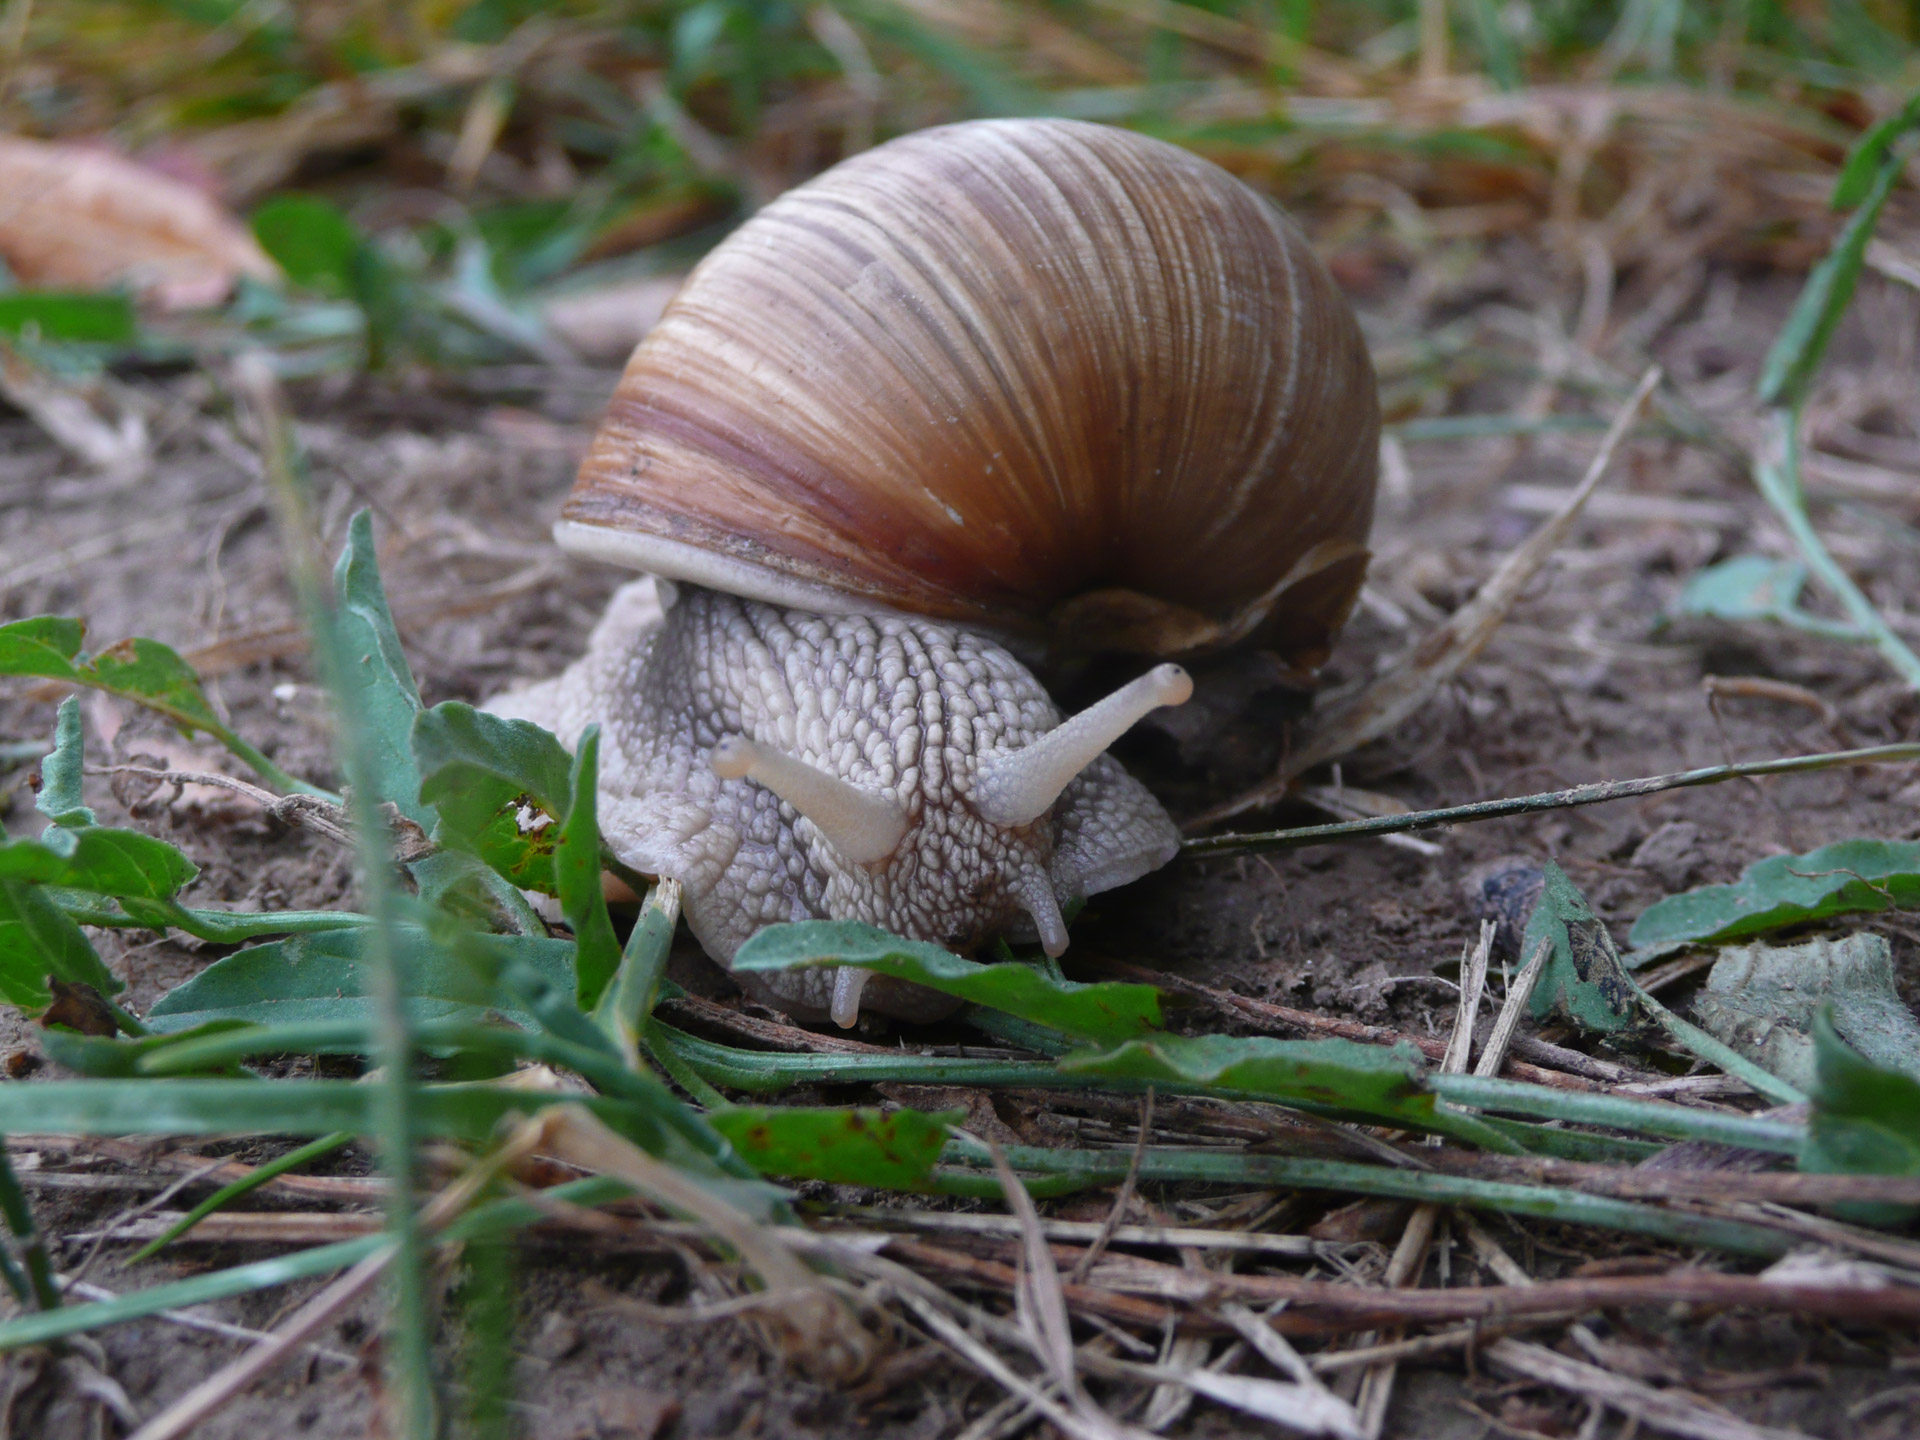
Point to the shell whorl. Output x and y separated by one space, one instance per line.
1042 376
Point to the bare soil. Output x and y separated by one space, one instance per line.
1591 678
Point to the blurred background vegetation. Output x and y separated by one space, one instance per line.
435 178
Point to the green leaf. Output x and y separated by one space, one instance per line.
893 1150
488 779
37 940
79 318
282 1107
378 683
576 874
1104 1012
103 1059
1583 978
1753 587
60 773
324 976
1762 1000
44 645
101 860
452 742
1852 876
1802 342
143 671
1338 1075
628 1002
1865 1120
311 241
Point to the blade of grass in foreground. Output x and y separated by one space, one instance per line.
368 780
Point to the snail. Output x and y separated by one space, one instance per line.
997 389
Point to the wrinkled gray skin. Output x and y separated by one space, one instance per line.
896 706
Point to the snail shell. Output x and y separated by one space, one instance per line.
1050 379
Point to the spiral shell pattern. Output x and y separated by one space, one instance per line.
1050 378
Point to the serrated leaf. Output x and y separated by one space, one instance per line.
1104 1012
60 773
576 874
1850 877
324 976
379 684
143 671
37 939
453 739
1865 1120
1762 1000
894 1150
488 779
1583 978
1338 1075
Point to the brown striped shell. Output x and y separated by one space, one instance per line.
1043 377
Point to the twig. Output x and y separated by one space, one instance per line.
1674 1412
1439 657
1265 1012
1323 1306
1122 1198
1598 792
1160 1236
306 812
1518 994
86 1290
292 1333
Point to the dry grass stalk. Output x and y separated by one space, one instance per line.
294 1332
1671 1412
1385 703
811 1326
205 1324
1122 1198
1511 1009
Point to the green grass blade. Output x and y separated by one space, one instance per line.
576 873
19 1218
1106 1013
246 1185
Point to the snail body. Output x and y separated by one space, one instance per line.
1004 384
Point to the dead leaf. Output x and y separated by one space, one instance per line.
78 1006
80 218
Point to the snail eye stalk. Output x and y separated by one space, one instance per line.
1020 786
864 827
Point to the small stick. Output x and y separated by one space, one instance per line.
1598 792
1518 994
1121 1200
186 1319
1672 1411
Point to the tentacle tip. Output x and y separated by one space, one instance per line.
848 983
1172 685
732 758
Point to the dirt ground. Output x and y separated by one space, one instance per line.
1589 679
